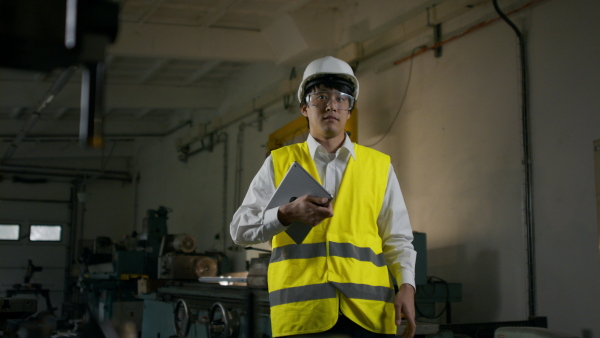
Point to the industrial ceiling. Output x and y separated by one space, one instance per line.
180 58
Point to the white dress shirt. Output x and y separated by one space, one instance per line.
252 224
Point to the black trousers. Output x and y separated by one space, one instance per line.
345 328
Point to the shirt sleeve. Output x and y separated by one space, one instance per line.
251 223
396 232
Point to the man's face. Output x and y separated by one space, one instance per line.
326 121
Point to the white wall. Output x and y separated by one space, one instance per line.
456 149
108 210
565 50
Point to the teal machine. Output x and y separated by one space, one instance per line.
155 228
114 269
432 290
136 255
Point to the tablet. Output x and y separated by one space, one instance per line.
297 182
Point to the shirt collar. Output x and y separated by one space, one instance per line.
313 146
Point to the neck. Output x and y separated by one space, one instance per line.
332 144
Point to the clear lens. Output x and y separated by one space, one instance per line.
340 101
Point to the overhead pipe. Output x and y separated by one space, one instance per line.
79 171
528 198
56 87
48 138
72 176
266 101
33 200
109 137
466 32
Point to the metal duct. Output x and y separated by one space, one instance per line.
58 85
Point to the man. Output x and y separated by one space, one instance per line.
336 282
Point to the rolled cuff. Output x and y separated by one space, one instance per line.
406 276
271 222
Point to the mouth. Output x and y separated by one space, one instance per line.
330 118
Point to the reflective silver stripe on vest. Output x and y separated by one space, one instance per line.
312 250
363 291
349 250
294 251
328 290
302 293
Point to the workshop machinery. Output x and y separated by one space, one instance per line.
115 270
207 309
237 305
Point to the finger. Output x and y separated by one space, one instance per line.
317 200
320 216
409 331
411 327
398 317
405 333
325 212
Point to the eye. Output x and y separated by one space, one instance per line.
322 97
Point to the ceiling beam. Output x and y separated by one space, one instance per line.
151 11
184 42
222 7
16 112
60 112
142 113
200 72
158 65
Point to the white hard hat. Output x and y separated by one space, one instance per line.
325 66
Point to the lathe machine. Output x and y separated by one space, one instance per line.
223 308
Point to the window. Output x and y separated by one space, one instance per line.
9 232
45 233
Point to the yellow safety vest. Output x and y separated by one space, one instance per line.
340 265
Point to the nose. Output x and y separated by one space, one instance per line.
331 105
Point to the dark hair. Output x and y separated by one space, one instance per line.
330 81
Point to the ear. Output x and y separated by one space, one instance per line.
304 109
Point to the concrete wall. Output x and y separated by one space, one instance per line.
455 146
108 210
566 122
